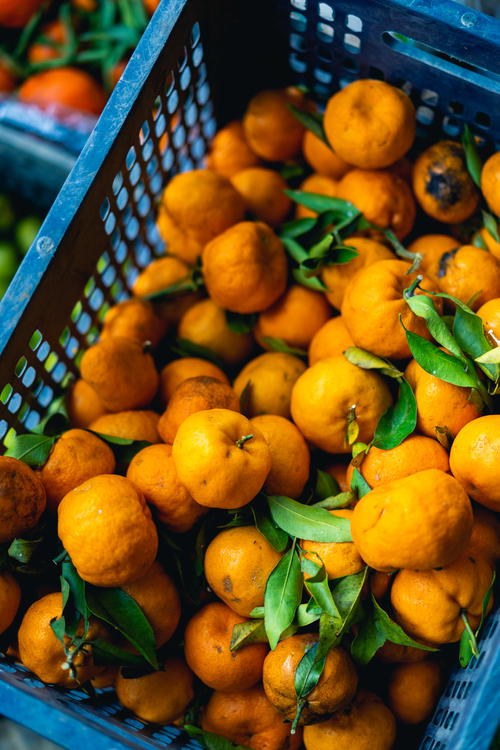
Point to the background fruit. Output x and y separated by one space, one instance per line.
159 697
22 498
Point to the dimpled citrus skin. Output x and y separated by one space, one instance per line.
290 455
206 646
245 267
475 460
369 725
10 599
238 563
490 315
431 247
271 129
428 603
157 596
22 498
247 717
468 271
121 373
294 318
107 530
212 467
179 243
370 124
203 203
422 521
330 340
372 304
42 653
490 182
440 404
230 152
323 159
152 470
263 192
271 376
337 277
485 536
132 425
175 372
83 404
322 398
134 319
158 697
205 324
339 559
78 455
414 690
335 688
416 453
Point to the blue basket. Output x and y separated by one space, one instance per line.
196 66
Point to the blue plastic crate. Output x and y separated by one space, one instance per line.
196 66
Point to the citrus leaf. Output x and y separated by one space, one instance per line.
317 585
316 202
392 631
297 227
367 641
307 614
398 421
307 675
311 121
240 323
247 632
492 357
325 485
466 649
423 306
32 449
469 332
438 363
368 361
294 249
307 522
210 741
105 653
278 345
491 225
276 537
334 502
359 484
56 420
282 596
123 448
311 283
472 159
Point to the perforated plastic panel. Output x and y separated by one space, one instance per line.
196 66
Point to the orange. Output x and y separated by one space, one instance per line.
160 274
485 536
370 124
151 5
429 603
158 697
263 192
294 318
440 404
205 324
153 472
416 453
269 380
337 276
206 646
247 717
10 599
373 302
339 559
442 184
64 87
380 583
432 247
203 203
369 725
383 198
335 689
221 458
22 498
7 77
245 268
83 404
396 653
107 530
132 425
42 653
15 14
179 243
490 315
316 183
414 690
290 456
122 374
330 340
134 319
230 152
106 678
191 396
490 242
323 159
323 397
490 183
271 129
54 32
181 369
474 459
238 563
157 596
76 456
421 521
468 271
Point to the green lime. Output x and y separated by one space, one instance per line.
9 260
7 217
26 231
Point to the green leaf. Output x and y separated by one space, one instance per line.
240 323
210 741
392 631
316 202
325 485
334 502
278 345
307 675
185 348
311 121
297 227
310 283
491 225
347 596
367 640
490 358
307 614
59 628
438 363
472 159
423 306
32 449
245 633
77 588
123 448
23 550
121 611
368 361
468 640
294 249
469 332
276 537
282 596
189 284
292 171
307 522
398 421
56 420
105 653
359 484
317 585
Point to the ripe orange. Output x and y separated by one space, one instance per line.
66 87
22 498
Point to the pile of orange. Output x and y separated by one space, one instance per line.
282 386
